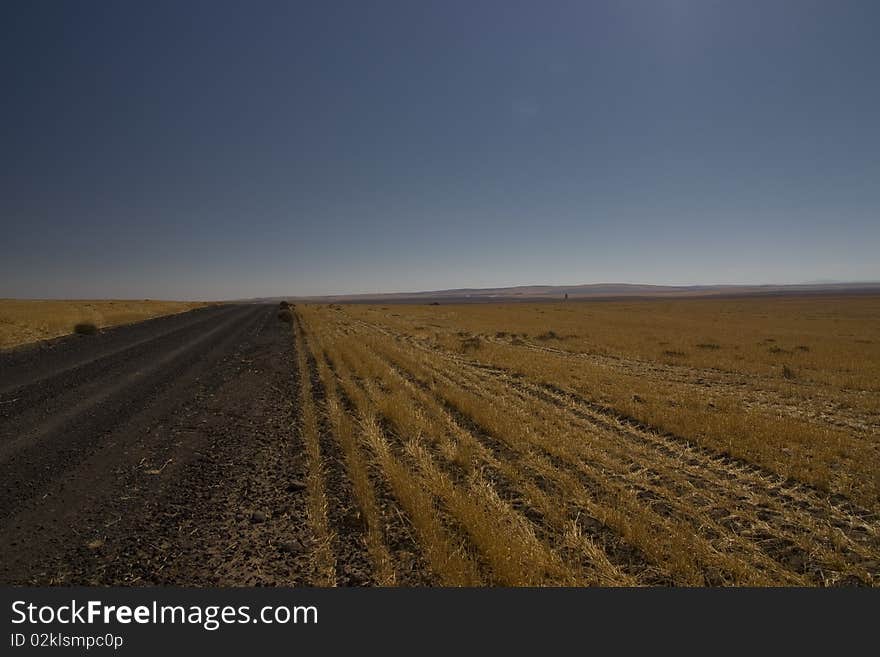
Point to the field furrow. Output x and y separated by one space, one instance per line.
323 558
435 465
771 521
440 545
839 512
624 481
474 461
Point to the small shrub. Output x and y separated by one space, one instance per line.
709 345
787 372
471 344
85 328
285 316
670 352
802 347
284 305
778 350
549 335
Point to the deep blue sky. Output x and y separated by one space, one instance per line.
221 150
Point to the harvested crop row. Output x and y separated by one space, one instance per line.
368 514
733 522
826 566
826 434
442 551
840 514
324 561
603 484
754 390
500 545
505 479
346 514
503 538
470 465
574 530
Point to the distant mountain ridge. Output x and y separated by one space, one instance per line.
597 291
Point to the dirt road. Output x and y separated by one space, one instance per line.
156 453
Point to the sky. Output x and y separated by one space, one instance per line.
217 150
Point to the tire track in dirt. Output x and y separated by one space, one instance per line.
170 497
619 565
836 510
751 389
37 418
35 452
616 550
35 368
764 534
590 483
774 535
626 562
799 493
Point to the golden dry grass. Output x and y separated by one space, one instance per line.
790 384
549 445
25 321
323 559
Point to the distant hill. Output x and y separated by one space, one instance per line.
607 291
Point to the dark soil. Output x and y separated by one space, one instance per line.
156 453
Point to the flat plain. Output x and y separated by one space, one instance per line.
23 321
674 442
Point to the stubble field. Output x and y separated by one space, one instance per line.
677 442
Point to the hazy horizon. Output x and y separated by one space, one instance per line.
229 151
405 291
